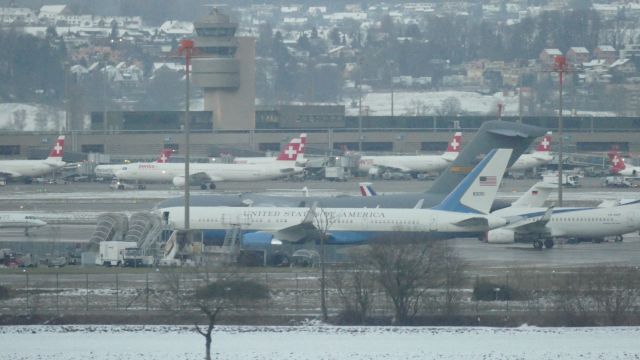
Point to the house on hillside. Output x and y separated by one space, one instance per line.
578 55
547 56
605 52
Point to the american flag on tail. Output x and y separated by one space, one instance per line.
488 181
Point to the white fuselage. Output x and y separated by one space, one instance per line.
579 222
29 168
166 172
108 170
273 219
529 161
21 221
406 163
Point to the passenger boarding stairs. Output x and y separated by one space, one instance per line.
145 229
230 249
109 227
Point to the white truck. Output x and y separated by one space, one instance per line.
112 253
570 180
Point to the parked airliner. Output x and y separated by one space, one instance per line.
620 168
465 210
284 155
541 225
28 169
413 163
541 156
109 170
20 221
207 174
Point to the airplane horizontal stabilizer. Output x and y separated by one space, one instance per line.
473 222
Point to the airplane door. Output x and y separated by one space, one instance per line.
433 225
165 218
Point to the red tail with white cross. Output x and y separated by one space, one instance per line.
455 143
57 151
617 164
545 143
165 154
294 149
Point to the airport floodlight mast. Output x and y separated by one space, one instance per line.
560 66
186 48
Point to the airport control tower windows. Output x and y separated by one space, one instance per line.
218 50
216 31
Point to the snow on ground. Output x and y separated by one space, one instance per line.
428 102
318 342
51 119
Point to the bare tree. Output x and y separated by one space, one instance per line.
20 119
210 298
451 269
450 106
322 220
355 285
405 269
609 293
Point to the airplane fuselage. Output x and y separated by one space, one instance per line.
345 225
19 221
156 172
28 168
412 163
578 222
528 161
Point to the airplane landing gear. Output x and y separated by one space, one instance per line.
618 238
537 244
548 243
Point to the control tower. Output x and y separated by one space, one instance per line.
224 65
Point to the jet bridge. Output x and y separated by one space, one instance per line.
109 227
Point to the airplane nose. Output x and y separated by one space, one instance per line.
40 223
496 221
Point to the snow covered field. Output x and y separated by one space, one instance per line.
318 342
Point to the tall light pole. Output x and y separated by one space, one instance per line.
360 105
560 66
186 48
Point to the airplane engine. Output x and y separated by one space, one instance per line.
178 181
500 236
259 240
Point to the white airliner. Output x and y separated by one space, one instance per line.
618 167
109 170
413 163
465 210
207 174
285 154
541 225
34 168
542 155
20 221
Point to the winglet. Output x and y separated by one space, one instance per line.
477 191
311 215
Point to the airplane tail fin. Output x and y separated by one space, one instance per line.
536 195
545 143
165 154
366 189
292 151
453 148
617 164
56 153
477 191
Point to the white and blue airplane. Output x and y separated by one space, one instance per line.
529 221
464 211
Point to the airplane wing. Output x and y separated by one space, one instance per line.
5 173
299 232
537 226
205 176
391 166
